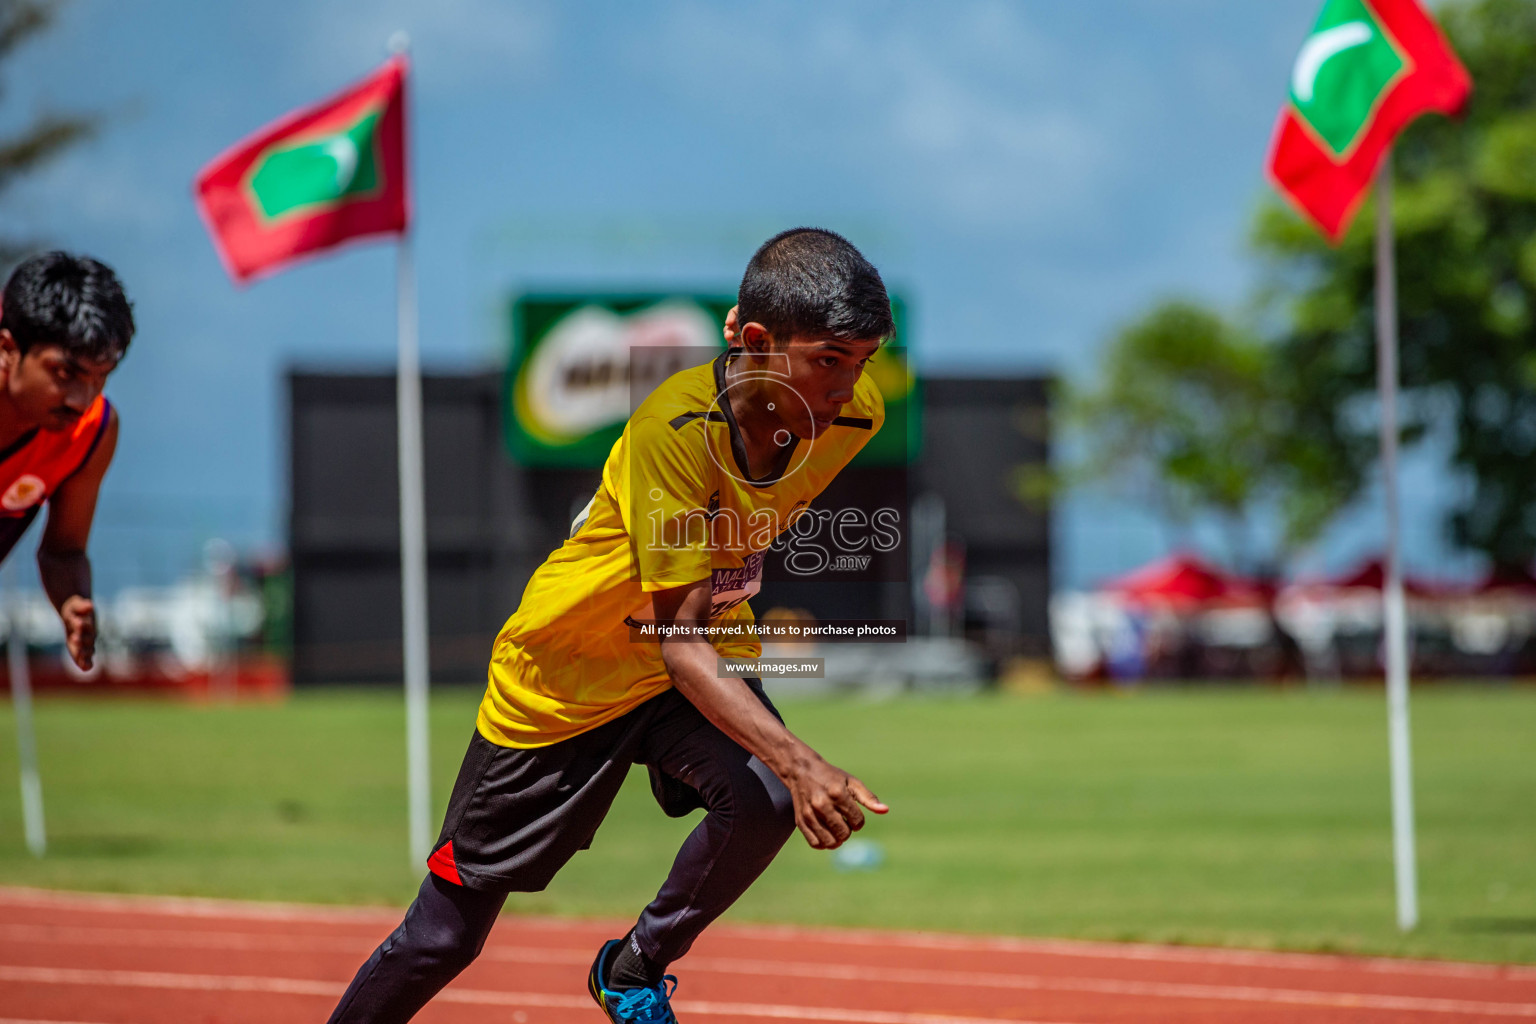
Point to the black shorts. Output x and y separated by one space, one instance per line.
517 814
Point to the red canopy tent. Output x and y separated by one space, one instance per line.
1184 582
1372 575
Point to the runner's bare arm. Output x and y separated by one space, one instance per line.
61 559
826 798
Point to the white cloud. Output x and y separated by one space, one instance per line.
963 107
456 42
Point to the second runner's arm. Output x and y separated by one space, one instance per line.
61 559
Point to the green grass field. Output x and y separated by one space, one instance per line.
1252 818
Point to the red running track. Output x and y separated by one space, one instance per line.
81 959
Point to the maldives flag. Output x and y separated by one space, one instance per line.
316 178
1368 68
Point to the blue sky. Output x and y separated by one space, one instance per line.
1029 174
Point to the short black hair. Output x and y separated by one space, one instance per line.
74 302
813 282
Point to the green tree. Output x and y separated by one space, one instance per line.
47 135
1465 218
1192 416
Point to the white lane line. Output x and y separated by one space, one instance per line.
476 997
1124 951
828 972
130 938
169 980
482 997
190 906
1147 952
703 1007
1110 986
1091 986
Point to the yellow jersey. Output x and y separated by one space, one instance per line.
677 505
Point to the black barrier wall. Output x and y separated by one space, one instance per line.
490 522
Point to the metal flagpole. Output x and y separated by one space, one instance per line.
26 739
1395 611
413 560
413 545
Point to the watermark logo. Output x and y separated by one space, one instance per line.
813 541
779 519
837 539
769 375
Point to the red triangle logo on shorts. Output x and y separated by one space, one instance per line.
441 864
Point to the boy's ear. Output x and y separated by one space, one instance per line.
755 337
10 352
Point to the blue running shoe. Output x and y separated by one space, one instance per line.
651 1005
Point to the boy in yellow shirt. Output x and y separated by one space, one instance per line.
612 657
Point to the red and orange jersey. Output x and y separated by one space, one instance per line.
33 467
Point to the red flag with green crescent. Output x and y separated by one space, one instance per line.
312 180
1368 68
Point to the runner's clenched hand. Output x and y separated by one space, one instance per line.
79 615
828 803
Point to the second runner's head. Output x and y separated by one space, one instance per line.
64 325
811 311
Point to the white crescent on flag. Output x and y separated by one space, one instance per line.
343 150
1321 48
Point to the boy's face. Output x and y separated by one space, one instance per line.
49 387
810 379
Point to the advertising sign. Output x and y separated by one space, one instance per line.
568 387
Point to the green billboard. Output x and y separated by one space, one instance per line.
568 388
